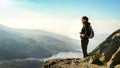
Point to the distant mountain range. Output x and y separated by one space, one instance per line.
22 64
25 43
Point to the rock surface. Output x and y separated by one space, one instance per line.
115 59
70 63
107 48
106 55
117 66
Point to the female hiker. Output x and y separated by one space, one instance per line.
85 34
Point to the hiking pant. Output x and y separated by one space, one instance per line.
84 44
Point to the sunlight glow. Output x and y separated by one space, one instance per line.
5 3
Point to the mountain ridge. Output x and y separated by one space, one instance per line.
26 43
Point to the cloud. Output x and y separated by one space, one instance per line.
66 24
106 26
22 18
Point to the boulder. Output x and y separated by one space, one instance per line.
115 60
107 48
117 66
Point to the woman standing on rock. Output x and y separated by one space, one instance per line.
85 34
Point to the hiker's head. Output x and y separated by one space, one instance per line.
84 19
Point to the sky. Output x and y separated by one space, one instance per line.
61 16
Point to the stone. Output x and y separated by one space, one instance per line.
115 59
107 48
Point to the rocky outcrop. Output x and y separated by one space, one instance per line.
117 66
106 55
107 48
115 59
70 63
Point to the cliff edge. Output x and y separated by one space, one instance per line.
105 55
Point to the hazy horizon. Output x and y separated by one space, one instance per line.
60 16
63 17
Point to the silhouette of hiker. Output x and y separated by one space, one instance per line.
84 35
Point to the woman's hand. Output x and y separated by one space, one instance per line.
82 35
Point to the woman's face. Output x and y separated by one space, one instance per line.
83 21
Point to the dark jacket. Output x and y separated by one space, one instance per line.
85 30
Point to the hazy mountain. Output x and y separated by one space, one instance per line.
25 43
22 64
